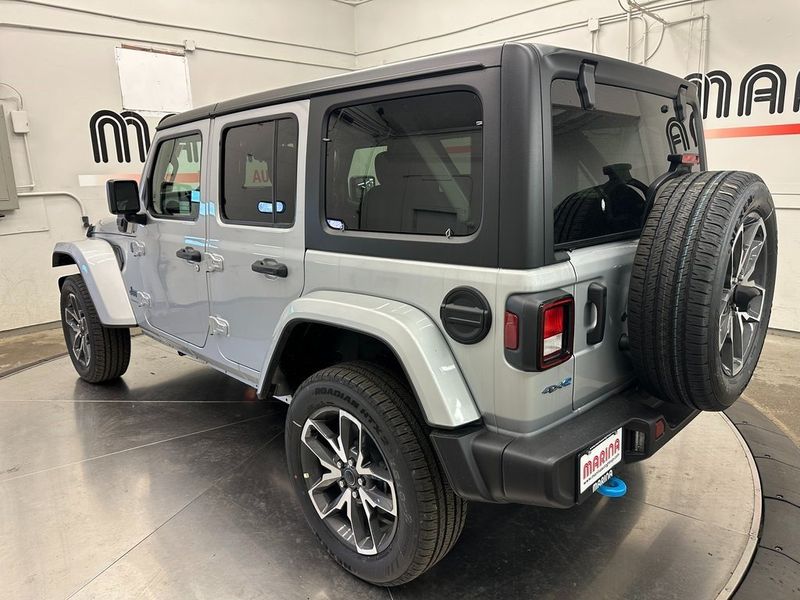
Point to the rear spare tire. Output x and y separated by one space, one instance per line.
701 288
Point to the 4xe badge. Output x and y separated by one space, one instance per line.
567 381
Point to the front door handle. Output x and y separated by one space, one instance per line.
268 266
189 253
597 296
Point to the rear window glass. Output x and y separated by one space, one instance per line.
605 159
406 165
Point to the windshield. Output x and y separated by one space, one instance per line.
605 159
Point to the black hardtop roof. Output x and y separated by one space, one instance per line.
451 62
462 60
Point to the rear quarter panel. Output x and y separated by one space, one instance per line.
507 398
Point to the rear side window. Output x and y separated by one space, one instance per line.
175 183
605 159
406 165
259 173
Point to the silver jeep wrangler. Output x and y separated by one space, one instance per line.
494 275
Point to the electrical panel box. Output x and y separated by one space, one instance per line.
8 185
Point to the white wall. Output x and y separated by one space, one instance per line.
741 34
62 60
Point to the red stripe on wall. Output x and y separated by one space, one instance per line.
755 131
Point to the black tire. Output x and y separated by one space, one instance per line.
430 517
577 215
682 299
582 215
109 348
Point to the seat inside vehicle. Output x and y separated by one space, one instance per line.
410 198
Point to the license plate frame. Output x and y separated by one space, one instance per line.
595 464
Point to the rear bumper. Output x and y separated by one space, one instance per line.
541 469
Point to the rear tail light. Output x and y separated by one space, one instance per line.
538 329
555 331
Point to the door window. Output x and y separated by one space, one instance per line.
175 183
259 173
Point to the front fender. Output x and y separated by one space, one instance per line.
415 339
98 266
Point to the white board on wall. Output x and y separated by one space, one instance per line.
153 83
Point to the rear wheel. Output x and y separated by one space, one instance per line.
366 476
701 288
98 353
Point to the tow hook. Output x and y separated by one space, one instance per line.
613 488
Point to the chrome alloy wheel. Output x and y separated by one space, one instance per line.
743 294
349 482
78 331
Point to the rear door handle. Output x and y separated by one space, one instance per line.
268 266
597 296
189 253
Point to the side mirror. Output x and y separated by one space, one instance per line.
123 196
123 200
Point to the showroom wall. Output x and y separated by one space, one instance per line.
736 39
62 59
66 62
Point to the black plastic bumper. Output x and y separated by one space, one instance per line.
541 469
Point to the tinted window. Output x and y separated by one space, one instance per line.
605 159
175 184
259 177
406 165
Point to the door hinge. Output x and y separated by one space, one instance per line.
217 326
141 299
214 262
137 248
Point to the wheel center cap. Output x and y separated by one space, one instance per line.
349 477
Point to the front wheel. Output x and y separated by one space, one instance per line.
98 353
366 476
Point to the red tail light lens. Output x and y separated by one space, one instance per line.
553 331
555 327
511 331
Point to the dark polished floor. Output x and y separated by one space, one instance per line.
172 484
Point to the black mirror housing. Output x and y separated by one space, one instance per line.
123 196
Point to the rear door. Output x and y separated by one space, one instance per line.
256 236
603 161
